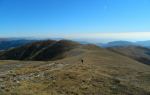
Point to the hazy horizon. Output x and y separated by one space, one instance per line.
82 40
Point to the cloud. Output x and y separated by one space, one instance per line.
106 36
115 35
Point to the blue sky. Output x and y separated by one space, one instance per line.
88 19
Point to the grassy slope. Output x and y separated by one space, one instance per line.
103 73
138 53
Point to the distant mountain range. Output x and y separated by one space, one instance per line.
126 43
12 43
144 43
7 43
22 49
54 50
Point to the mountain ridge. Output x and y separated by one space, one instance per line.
40 50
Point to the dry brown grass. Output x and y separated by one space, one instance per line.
103 73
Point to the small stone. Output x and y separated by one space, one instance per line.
17 82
